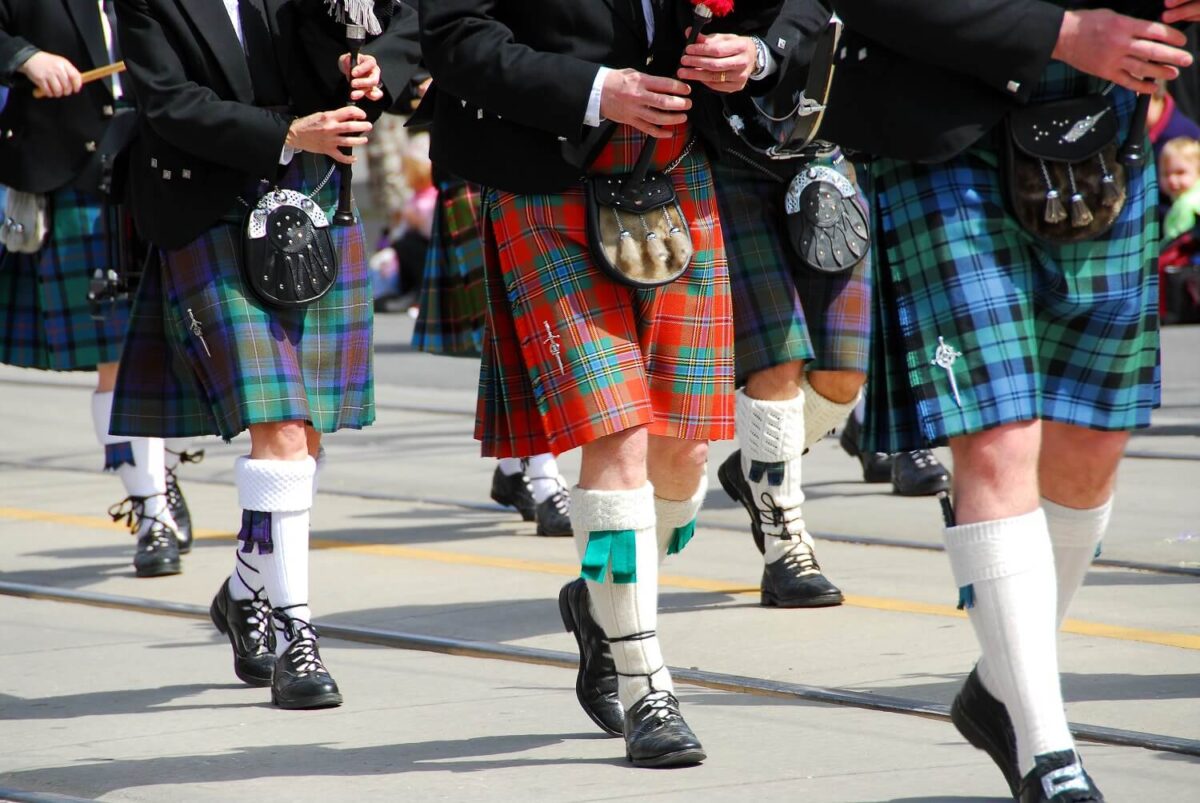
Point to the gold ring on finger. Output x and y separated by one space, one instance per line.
722 76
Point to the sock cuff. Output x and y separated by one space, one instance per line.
672 513
1070 526
989 550
541 466
593 511
270 486
101 413
822 414
770 431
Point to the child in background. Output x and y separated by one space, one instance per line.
1179 169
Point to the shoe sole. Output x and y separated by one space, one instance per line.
507 501
876 477
680 758
768 600
159 570
568 620
331 700
932 491
560 534
731 490
979 739
223 628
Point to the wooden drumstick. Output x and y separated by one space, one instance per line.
91 75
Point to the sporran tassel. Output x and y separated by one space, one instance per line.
1110 196
660 258
1081 215
629 256
679 244
1055 211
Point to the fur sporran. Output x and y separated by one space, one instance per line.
637 233
1064 181
25 225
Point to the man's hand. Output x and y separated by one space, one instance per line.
1131 52
366 80
649 103
326 132
52 74
1181 11
723 62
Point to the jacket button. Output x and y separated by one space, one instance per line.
90 146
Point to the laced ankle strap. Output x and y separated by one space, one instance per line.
771 514
661 705
295 629
133 510
187 457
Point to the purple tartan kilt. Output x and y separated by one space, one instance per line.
45 322
206 357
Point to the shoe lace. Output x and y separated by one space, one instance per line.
132 509
302 649
923 458
160 537
800 558
770 514
660 705
561 500
258 618
174 496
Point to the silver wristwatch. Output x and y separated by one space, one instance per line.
761 55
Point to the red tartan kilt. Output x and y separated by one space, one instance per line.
569 355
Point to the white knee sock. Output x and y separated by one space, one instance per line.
675 520
821 414
1075 535
1005 567
614 532
544 477
282 490
139 462
510 465
771 434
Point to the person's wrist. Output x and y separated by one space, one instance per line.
1067 33
760 58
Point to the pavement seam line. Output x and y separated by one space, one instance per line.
1077 627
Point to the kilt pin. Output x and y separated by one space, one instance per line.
1065 333
204 356
570 355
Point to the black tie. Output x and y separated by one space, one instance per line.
269 89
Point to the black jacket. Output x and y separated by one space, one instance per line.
45 144
789 30
511 80
923 80
204 141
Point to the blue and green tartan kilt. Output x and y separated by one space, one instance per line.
453 301
204 356
1065 333
45 321
784 311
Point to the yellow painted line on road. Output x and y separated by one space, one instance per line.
1078 627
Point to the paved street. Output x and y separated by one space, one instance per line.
422 576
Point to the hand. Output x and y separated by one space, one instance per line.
1181 11
366 79
52 74
423 87
1131 52
649 103
326 132
722 62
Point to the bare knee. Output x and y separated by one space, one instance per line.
282 440
841 387
995 472
614 462
106 376
676 466
777 383
1078 467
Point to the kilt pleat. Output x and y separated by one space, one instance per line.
45 321
570 355
784 311
452 304
1065 333
206 357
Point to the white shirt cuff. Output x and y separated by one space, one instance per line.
285 157
592 117
771 67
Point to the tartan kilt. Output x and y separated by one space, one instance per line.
569 355
452 295
204 356
784 311
1065 333
45 321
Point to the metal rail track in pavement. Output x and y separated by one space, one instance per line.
759 687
